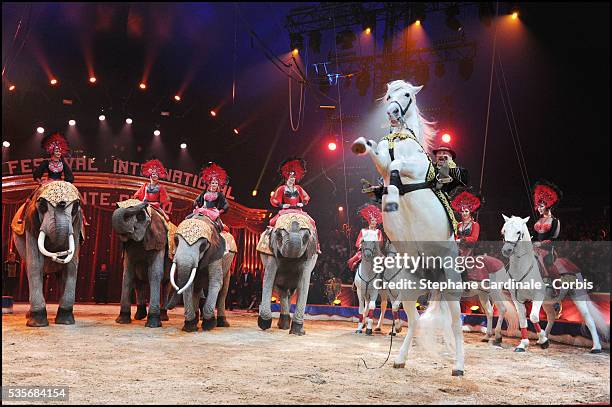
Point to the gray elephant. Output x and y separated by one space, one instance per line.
47 243
201 260
289 253
145 259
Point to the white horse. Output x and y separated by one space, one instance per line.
412 212
524 268
365 276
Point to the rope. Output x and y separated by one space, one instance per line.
300 108
484 151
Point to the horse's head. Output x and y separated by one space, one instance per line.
400 102
514 231
370 249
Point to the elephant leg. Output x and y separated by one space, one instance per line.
284 321
65 315
165 297
156 272
264 321
141 301
37 315
126 291
190 304
227 263
215 281
297 325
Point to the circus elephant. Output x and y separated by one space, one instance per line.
289 253
144 233
46 241
201 260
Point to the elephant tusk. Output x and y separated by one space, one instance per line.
41 247
191 277
70 250
172 271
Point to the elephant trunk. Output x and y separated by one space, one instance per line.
292 247
55 256
189 281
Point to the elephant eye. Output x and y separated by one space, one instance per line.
140 216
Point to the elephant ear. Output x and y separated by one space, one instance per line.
77 221
32 219
311 249
156 235
215 250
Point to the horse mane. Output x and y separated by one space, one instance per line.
427 130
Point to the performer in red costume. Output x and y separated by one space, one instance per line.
372 215
153 192
212 202
290 197
545 197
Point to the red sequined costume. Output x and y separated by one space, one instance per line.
212 203
468 232
547 230
368 213
154 194
290 196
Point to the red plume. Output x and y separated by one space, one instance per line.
466 200
296 165
547 193
153 166
54 141
213 171
370 211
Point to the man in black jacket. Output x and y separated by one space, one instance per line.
449 175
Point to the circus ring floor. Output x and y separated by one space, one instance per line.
103 362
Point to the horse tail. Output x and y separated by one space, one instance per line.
436 324
603 326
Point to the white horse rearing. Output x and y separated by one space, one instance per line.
412 212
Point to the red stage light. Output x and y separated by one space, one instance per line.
235 131
92 79
12 88
213 113
446 138
53 82
340 209
332 146
142 85
177 98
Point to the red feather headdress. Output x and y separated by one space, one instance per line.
546 193
295 165
369 211
213 171
55 140
153 166
467 200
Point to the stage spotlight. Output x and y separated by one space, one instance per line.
92 79
332 146
474 308
11 88
446 138
439 69
101 117
53 82
340 209
466 66
156 132
142 86
213 113
369 22
177 98
296 41
368 30
72 122
337 302
273 300
515 15
6 144
314 41
295 52
128 120
40 130
485 13
254 192
345 39
451 18
236 131
417 22
183 145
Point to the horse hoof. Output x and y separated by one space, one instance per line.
368 332
391 207
297 329
358 148
284 322
64 316
359 331
485 339
519 349
397 365
209 324
37 319
497 341
595 351
222 322
190 326
163 315
457 372
124 318
141 312
392 333
545 345
264 323
376 329
154 321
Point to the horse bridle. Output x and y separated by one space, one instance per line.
402 110
518 256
